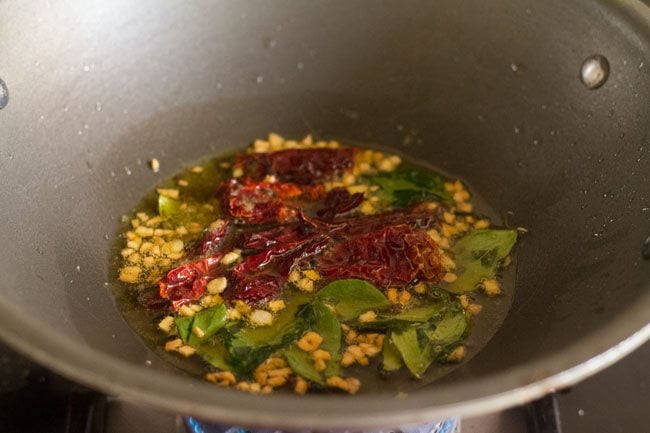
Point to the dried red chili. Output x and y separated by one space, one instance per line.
302 166
261 202
188 282
392 247
345 227
389 249
261 276
213 239
338 201
390 256
260 260
255 288
150 297
280 234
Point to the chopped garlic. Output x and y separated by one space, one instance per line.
166 324
173 345
305 284
231 257
261 146
310 341
368 316
450 277
130 274
199 332
481 224
217 286
186 351
491 287
312 274
155 165
276 305
169 192
186 311
458 354
261 318
275 140
144 231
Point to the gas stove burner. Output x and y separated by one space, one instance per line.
451 425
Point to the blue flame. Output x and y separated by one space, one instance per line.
197 426
451 425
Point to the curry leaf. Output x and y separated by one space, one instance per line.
244 359
328 326
392 360
178 212
406 197
422 313
422 343
302 364
184 327
209 321
325 323
168 208
448 333
273 334
479 254
352 297
248 346
406 186
450 329
215 353
416 356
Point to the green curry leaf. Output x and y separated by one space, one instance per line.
328 326
391 357
168 208
215 353
184 327
416 314
416 356
479 254
325 323
249 346
209 321
283 323
302 364
405 186
450 329
420 344
177 212
352 297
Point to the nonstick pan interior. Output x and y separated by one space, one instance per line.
487 91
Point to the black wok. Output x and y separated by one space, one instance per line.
489 91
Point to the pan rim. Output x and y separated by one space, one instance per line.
524 383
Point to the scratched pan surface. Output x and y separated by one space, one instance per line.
489 91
